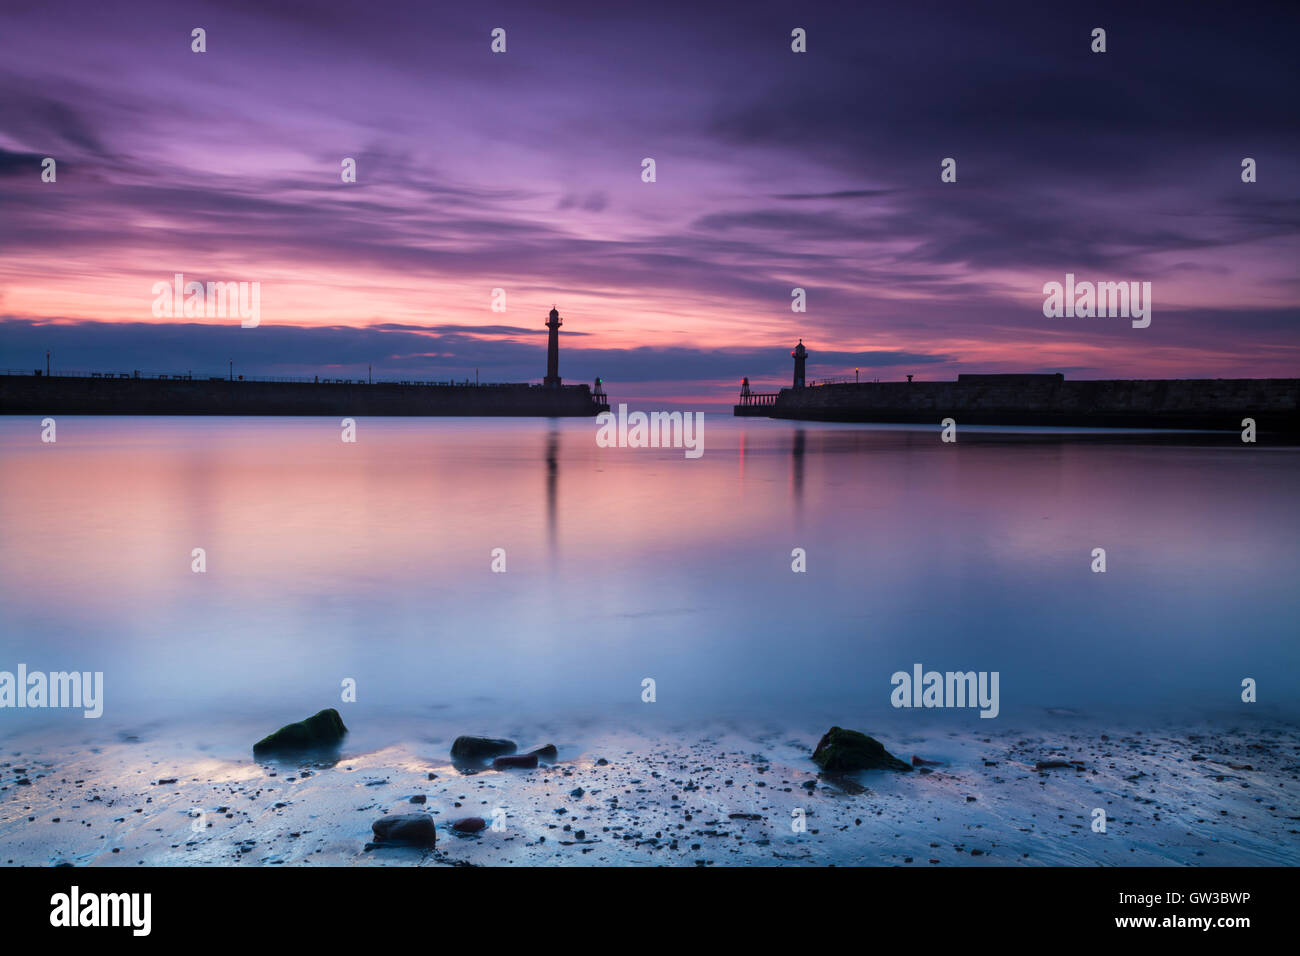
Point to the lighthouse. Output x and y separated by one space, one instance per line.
553 349
800 355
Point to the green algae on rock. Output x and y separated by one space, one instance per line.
321 730
843 750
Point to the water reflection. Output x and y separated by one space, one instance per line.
796 464
552 483
328 560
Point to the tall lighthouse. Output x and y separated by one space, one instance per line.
553 349
800 355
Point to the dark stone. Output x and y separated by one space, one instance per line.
320 731
522 762
847 750
851 787
549 752
419 798
469 824
481 748
406 829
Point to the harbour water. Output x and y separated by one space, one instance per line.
373 562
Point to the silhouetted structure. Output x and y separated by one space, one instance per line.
133 393
553 350
754 403
1219 404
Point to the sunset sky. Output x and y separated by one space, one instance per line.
775 169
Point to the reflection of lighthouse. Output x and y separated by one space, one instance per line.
800 357
553 349
552 482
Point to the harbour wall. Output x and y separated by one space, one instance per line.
1219 403
67 395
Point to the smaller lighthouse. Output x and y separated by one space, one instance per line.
553 349
800 355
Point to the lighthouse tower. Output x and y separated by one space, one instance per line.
800 357
553 349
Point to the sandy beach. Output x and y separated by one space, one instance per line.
724 794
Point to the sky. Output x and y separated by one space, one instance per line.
774 170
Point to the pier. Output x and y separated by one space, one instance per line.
754 403
38 392
169 394
1047 400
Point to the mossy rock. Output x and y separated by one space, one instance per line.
317 732
481 748
841 751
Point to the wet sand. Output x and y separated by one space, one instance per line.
719 795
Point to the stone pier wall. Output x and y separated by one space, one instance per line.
1121 403
39 395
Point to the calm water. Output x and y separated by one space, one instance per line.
372 561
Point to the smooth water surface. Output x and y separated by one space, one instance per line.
373 561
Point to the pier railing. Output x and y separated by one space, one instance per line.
836 380
759 398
